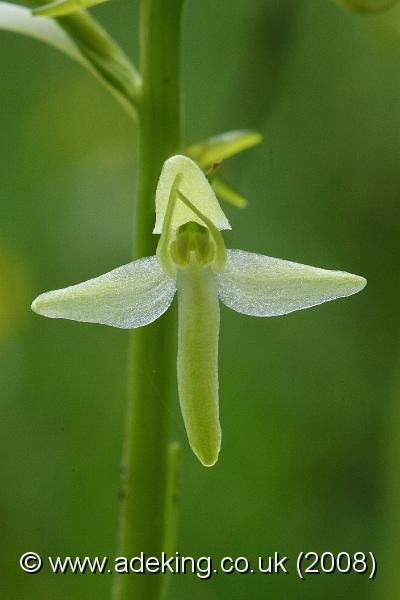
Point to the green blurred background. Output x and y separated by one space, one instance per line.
310 457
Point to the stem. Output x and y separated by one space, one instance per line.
143 522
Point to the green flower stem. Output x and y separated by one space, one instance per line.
143 521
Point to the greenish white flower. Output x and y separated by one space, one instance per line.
191 259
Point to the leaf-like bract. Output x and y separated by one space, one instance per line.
222 146
18 19
227 193
82 38
64 7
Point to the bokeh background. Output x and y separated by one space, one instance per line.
309 401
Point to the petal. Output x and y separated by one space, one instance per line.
198 331
262 286
195 186
127 297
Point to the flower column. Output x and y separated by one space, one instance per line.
142 520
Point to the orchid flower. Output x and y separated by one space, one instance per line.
191 258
